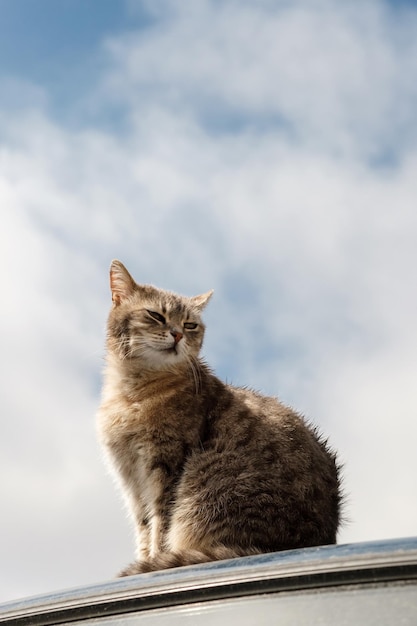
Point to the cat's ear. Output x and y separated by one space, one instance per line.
200 301
122 284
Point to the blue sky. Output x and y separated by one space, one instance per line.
41 40
267 150
57 45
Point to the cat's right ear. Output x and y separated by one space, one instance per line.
200 301
122 284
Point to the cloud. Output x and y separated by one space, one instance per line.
265 151
320 71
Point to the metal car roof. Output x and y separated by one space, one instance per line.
318 567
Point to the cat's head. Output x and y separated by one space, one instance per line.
151 327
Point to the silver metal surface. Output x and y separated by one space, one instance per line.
294 569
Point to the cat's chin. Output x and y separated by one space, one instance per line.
164 359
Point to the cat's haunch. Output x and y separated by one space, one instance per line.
209 471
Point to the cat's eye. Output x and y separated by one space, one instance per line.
190 325
156 316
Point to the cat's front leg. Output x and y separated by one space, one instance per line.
143 539
142 522
149 539
159 497
156 535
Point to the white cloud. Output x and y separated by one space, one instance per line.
309 246
326 71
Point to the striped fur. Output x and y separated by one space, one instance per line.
208 471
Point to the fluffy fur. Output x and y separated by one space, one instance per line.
209 471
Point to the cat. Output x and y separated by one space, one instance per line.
209 471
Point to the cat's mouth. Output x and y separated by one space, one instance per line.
170 349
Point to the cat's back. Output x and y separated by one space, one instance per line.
249 418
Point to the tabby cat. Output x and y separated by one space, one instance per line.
209 471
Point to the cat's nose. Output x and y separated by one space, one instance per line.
176 334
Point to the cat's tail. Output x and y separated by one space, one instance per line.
166 560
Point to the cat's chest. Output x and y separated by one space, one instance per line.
147 433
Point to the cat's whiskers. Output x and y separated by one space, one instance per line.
195 371
137 347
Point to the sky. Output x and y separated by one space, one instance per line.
266 150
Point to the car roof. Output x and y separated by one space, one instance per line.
324 566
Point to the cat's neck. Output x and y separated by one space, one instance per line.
126 377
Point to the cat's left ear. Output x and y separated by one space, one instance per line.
122 284
200 301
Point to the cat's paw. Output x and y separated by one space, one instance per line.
137 567
167 560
